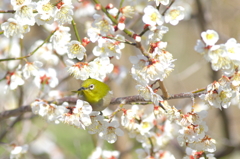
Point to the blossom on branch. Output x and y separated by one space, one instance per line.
64 12
76 50
31 68
174 15
152 16
14 27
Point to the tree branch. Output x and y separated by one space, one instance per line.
115 101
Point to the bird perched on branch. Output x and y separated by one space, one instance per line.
96 93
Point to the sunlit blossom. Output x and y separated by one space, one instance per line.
152 16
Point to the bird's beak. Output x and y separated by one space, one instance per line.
82 88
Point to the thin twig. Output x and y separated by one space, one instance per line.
75 30
20 58
168 7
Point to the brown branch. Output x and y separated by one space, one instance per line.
115 101
200 16
164 89
7 11
4 133
15 112
168 7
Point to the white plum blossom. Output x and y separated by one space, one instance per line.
77 116
93 34
113 11
157 67
139 62
83 110
156 33
100 67
51 112
14 27
152 16
146 124
127 11
129 120
46 9
233 50
131 117
25 13
19 3
14 79
210 37
174 15
76 50
194 153
147 93
84 9
219 94
18 152
223 56
41 21
48 78
60 39
206 144
200 47
98 124
104 24
111 132
78 70
109 47
31 68
64 12
217 55
193 131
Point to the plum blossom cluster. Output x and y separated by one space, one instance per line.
97 69
193 132
79 116
223 57
154 127
153 17
46 13
157 67
148 70
149 126
193 154
221 93
156 63
42 78
107 47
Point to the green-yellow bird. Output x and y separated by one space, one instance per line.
96 93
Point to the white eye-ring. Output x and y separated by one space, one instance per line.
91 86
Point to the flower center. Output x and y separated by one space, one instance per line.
47 7
174 13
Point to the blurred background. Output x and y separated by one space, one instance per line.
191 72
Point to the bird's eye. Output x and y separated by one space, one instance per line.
91 87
